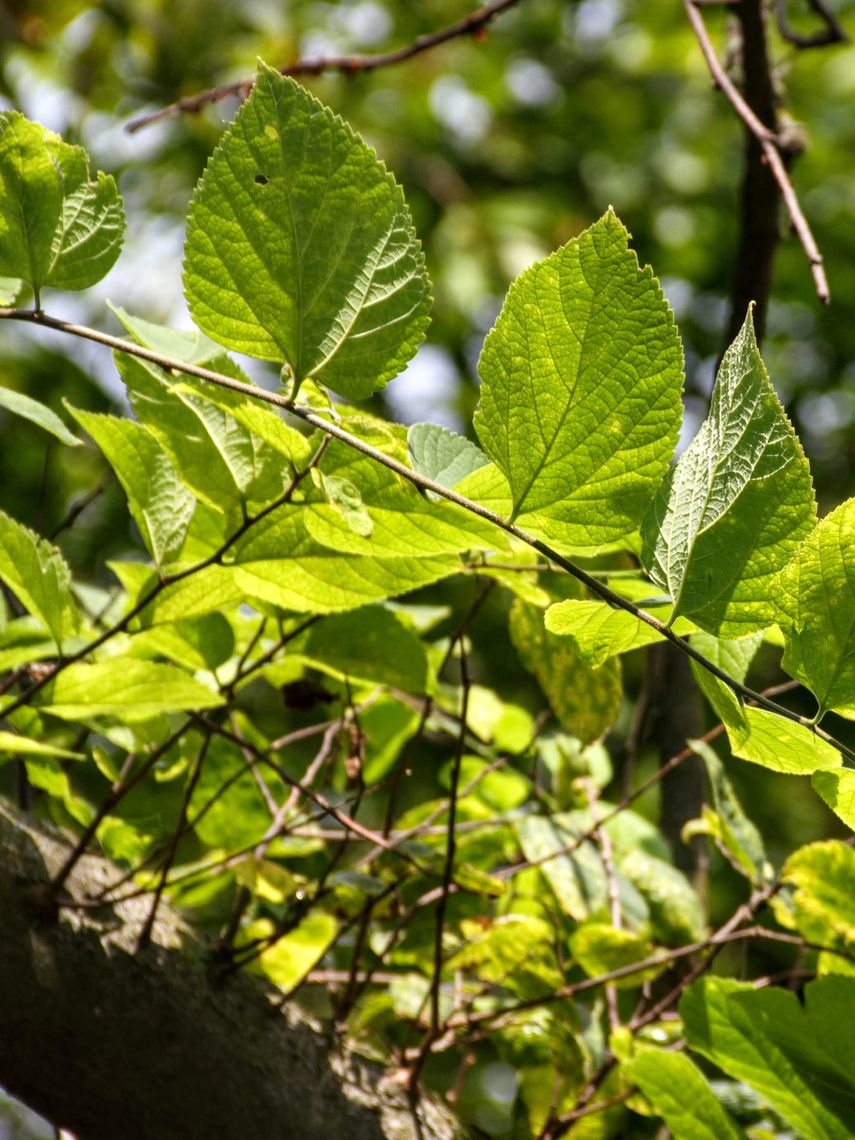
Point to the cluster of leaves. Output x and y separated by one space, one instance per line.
507 932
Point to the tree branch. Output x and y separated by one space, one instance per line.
769 145
469 25
108 1043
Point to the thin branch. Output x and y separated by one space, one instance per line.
832 31
769 145
334 430
470 25
146 932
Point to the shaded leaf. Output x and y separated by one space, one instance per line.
585 700
680 1094
786 1052
442 455
735 832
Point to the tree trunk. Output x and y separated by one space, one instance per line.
148 1046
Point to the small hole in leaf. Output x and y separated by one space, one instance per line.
261 179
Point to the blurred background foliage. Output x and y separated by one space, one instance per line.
507 144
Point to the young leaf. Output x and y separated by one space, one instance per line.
37 413
442 455
786 1052
369 644
123 687
57 227
35 571
160 503
585 700
680 1094
816 612
580 401
30 199
300 246
731 513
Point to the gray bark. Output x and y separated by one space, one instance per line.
149 1046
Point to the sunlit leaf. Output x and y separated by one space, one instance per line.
300 247
580 400
731 513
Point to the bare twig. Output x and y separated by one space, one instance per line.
832 31
470 25
769 145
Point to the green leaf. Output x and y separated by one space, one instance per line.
280 563
580 401
765 1038
823 902
585 700
291 957
300 246
403 521
228 809
203 642
780 744
124 687
601 631
816 612
837 788
161 505
368 644
37 413
600 948
259 419
10 287
731 513
680 1094
734 657
676 913
31 194
35 571
24 746
735 831
442 455
578 878
344 496
57 227
222 462
387 725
